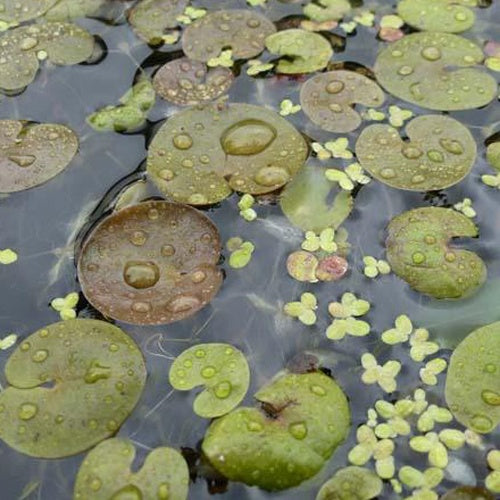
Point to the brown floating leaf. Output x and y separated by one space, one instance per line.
328 99
151 263
32 154
185 82
243 31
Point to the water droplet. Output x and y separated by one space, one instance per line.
435 156
182 141
187 363
28 43
112 425
153 214
183 303
481 423
490 368
318 390
491 398
416 91
166 174
22 160
387 173
271 176
119 386
200 353
40 355
113 347
336 108
461 16
223 389
418 258
198 199
405 70
431 53
198 276
451 146
208 372
27 411
334 87
298 430
412 152
254 426
141 307
163 491
96 371
138 238
129 492
59 419
429 239
417 179
248 137
141 275
450 257
93 423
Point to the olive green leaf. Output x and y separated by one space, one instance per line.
465 206
303 51
438 153
472 382
106 473
241 256
287 107
347 177
220 369
435 71
22 48
398 116
201 154
224 60
65 306
328 99
344 313
8 341
418 252
304 417
245 205
448 16
327 10
302 266
351 483
421 347
98 374
14 12
401 331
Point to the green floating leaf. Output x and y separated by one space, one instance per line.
472 383
201 154
71 9
304 418
98 374
447 16
418 252
435 71
15 12
243 30
306 201
351 483
186 83
493 155
21 49
106 474
468 493
154 20
31 154
304 51
327 10
328 99
222 371
438 153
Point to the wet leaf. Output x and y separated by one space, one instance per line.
310 418
187 83
328 99
31 154
66 10
446 16
64 44
106 473
14 12
418 252
327 10
306 201
98 374
217 149
438 153
351 483
222 372
472 383
304 51
435 71
151 263
243 30
240 257
302 266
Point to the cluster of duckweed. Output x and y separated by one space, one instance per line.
147 257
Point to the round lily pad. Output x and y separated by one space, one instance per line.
312 203
446 16
31 154
351 483
303 51
21 49
222 370
201 154
327 10
153 19
473 383
304 417
243 31
418 251
467 493
106 474
16 12
98 374
438 153
185 82
435 71
151 263
328 99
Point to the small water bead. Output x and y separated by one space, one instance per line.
481 423
417 179
182 141
141 307
198 199
405 70
59 419
491 398
208 372
431 53
166 174
25 346
254 426
141 275
418 258
153 214
298 430
336 108
387 173
163 491
461 16
490 368
429 239
450 257
223 389
412 152
318 390
198 276
200 353
138 238
183 303
167 250
452 146
93 424
435 156
40 355
334 87
270 176
112 425
113 347
95 484
27 411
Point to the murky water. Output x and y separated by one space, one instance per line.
43 224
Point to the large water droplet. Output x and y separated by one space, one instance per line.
491 397
298 430
208 372
27 411
22 160
198 276
182 141
481 423
387 173
141 275
96 372
334 87
431 53
223 389
451 146
247 137
435 156
28 43
272 176
141 307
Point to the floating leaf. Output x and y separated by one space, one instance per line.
398 116
351 483
418 252
65 306
201 154
325 241
472 383
21 49
437 15
255 67
220 369
307 416
185 82
98 374
151 263
7 256
106 473
431 369
225 59
438 153
302 266
401 331
303 310
331 268
374 267
244 31
31 154
435 71
287 107
328 99
465 206
241 255
303 51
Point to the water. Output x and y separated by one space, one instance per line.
42 225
